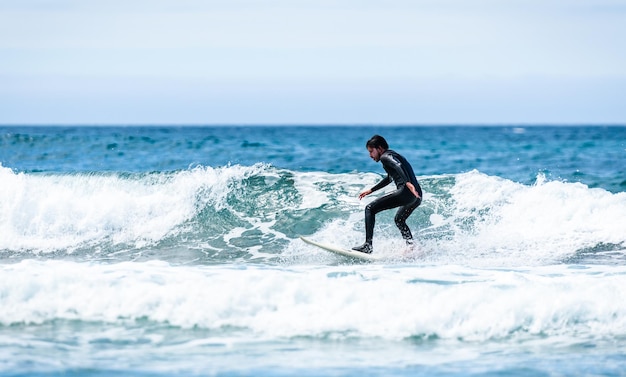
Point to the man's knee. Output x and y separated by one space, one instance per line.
400 219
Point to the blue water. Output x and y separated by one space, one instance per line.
159 251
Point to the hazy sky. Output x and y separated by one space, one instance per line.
318 61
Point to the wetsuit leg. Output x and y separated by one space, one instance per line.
402 197
403 213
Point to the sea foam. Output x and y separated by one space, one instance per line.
451 302
259 211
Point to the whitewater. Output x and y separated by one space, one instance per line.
196 268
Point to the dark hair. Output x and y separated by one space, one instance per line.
377 141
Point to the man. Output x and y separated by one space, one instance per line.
408 194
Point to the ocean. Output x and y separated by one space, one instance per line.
175 251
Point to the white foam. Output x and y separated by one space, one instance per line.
523 224
490 221
450 302
318 189
467 218
52 212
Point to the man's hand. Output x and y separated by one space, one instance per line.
364 194
413 190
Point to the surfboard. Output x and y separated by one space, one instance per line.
341 251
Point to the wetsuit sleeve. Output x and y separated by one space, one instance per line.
381 184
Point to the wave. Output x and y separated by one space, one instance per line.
255 213
430 302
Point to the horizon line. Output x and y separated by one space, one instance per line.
329 124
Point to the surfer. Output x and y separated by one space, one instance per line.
408 194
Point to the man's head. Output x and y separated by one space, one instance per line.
377 145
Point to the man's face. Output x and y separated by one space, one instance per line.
375 153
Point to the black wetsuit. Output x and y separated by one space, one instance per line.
400 171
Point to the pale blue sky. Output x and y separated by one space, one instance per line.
318 61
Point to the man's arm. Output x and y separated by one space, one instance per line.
413 190
379 185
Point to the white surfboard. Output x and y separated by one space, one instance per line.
341 251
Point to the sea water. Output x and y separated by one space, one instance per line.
160 251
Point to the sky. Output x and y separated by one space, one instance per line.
312 62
